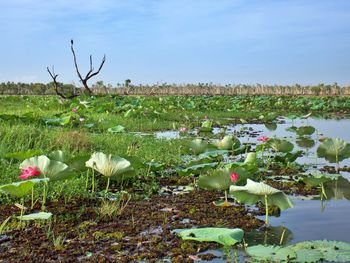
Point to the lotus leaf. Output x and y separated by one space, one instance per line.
20 156
223 236
198 146
280 145
252 192
20 189
271 253
305 142
334 150
109 166
227 143
36 216
54 170
116 129
305 130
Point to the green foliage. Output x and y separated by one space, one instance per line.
223 236
334 150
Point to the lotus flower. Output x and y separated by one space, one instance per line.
263 139
183 130
234 177
74 109
29 172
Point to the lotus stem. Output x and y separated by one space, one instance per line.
282 237
323 191
107 187
93 181
44 195
226 197
32 206
266 211
87 179
22 209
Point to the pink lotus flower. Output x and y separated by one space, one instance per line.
234 177
29 172
183 130
75 109
263 138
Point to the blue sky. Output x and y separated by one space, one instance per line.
178 41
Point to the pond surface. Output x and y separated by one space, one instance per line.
309 219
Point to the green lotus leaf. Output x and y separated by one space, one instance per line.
20 189
109 166
198 168
116 129
288 157
333 251
271 253
305 130
317 178
271 126
292 129
334 150
198 146
36 216
308 255
223 236
54 170
338 189
20 156
219 180
252 192
305 142
280 145
213 154
270 116
77 163
227 143
59 156
251 158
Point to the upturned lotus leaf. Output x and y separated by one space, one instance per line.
109 165
227 143
280 145
20 189
54 170
252 192
334 150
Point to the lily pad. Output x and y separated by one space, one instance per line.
36 216
223 236
334 150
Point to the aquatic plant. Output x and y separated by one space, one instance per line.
307 251
29 172
252 192
334 151
113 167
229 142
223 236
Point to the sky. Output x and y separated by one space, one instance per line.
178 41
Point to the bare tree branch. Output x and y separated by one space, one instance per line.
90 73
54 78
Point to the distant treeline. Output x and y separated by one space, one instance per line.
10 88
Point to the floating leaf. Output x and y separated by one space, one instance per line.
36 216
271 253
305 130
223 236
116 129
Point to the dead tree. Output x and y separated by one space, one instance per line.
54 78
90 73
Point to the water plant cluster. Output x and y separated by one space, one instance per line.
101 158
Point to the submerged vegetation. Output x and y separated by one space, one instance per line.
132 179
